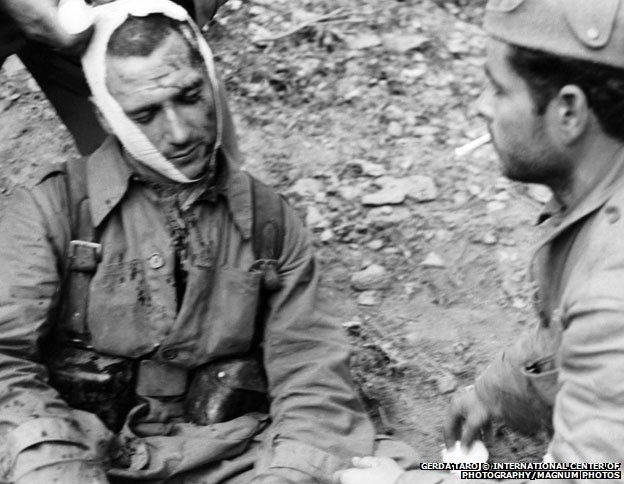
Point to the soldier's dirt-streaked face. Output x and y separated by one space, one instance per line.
170 100
521 136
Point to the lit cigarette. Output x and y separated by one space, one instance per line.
473 145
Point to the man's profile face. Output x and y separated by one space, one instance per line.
520 135
170 100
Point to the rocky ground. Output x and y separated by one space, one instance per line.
353 112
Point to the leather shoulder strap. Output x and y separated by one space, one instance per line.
268 221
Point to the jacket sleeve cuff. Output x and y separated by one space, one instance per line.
41 430
304 458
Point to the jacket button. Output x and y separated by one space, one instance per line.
169 354
156 261
612 213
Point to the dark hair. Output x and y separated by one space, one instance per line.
140 36
546 74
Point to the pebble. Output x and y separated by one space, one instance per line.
446 383
314 218
384 197
433 260
394 113
375 244
395 129
420 188
349 192
363 41
495 206
369 298
373 277
305 186
489 238
403 43
352 324
327 235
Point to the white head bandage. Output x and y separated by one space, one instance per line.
106 18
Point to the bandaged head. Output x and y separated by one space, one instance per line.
106 20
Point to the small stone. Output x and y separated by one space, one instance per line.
350 192
412 74
363 41
384 197
397 215
489 238
433 260
367 168
446 383
421 188
403 43
395 129
375 244
352 324
305 187
369 298
327 235
421 131
314 218
373 277
495 206
410 288
475 190
539 193
394 113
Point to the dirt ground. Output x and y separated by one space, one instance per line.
330 104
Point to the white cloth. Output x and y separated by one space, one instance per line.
106 18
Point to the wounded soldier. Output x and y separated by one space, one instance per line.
157 304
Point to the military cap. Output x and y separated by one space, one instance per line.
591 30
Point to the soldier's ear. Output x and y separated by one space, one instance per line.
100 117
572 113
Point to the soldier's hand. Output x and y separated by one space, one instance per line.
66 473
38 19
467 416
370 470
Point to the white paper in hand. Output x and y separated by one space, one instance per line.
460 455
75 16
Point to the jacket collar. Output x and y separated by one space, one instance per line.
562 218
108 180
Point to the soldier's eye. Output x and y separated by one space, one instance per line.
143 117
191 96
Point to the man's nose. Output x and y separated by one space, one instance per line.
178 131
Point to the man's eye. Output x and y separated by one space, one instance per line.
191 97
143 117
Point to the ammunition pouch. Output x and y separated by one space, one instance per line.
111 386
225 389
93 382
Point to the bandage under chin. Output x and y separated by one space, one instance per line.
106 19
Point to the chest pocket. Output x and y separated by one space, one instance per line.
229 323
119 308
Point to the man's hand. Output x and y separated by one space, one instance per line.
370 470
467 416
38 19
66 473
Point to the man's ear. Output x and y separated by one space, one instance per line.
100 117
571 113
